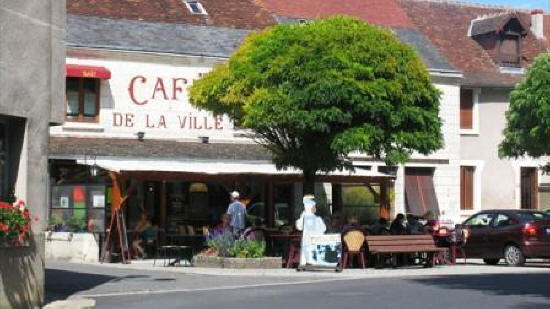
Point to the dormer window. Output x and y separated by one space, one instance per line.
509 49
501 36
195 7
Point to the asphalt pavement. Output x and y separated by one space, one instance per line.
111 287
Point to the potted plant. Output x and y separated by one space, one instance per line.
15 222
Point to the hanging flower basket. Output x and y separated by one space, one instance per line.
15 223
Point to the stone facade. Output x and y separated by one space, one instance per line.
31 96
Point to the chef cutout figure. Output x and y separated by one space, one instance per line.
309 224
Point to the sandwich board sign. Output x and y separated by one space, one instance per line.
324 251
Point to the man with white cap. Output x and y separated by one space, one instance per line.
309 224
237 211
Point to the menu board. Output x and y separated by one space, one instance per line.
324 250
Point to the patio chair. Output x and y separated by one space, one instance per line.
293 253
354 244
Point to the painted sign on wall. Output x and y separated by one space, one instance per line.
151 97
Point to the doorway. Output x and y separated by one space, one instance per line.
529 185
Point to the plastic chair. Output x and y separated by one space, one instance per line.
354 242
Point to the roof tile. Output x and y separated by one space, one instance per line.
242 14
378 12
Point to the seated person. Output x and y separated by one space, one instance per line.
413 226
336 223
397 227
380 227
143 233
352 224
222 227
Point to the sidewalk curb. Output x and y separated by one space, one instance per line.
77 303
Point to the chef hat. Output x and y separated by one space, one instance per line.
235 194
309 203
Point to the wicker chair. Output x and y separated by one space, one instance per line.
354 244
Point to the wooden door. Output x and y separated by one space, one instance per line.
529 186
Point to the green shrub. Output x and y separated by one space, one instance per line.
247 249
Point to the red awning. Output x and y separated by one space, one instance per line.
86 71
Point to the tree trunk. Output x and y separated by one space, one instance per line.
309 182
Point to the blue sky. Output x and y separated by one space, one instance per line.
524 4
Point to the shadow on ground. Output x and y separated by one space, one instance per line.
523 284
60 284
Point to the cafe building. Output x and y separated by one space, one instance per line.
132 140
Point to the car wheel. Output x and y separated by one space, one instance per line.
491 261
513 256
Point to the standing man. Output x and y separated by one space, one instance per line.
237 211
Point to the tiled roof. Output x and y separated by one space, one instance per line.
242 14
132 35
430 55
492 23
384 13
114 147
447 24
378 12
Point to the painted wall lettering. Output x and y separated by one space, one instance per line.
123 120
131 89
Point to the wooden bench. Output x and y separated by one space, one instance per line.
393 244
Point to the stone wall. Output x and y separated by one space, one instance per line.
32 83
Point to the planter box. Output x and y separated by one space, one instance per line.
71 247
237 263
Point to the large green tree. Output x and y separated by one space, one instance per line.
315 92
528 129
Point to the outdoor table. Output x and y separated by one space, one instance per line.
185 245
286 239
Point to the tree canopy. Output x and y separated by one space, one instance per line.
315 92
528 129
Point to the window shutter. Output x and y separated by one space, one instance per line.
466 108
466 187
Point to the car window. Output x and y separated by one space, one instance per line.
480 220
502 220
533 216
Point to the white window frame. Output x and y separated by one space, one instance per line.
517 165
199 4
476 92
478 172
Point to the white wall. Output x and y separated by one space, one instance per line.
445 161
498 182
130 104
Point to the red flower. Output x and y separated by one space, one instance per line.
4 228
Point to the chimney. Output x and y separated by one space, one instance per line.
537 23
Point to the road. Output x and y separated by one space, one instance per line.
131 288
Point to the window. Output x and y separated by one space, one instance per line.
502 220
78 207
509 51
481 220
420 194
82 99
467 187
195 7
533 216
466 109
